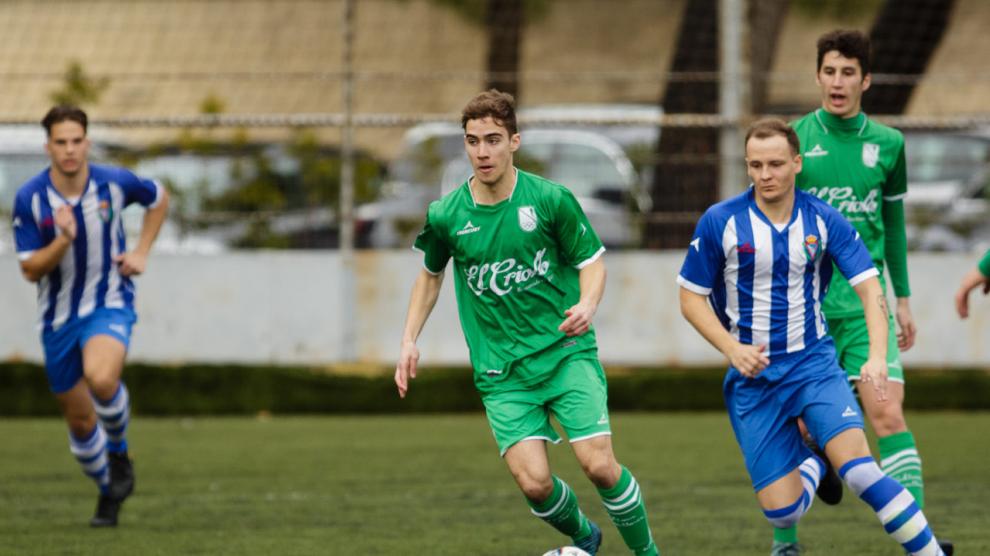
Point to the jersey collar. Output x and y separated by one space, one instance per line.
830 122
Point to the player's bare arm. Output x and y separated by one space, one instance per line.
749 360
592 280
907 329
135 261
424 296
44 260
874 370
972 280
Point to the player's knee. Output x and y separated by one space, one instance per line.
103 385
535 489
602 470
888 420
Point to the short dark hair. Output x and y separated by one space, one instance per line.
773 127
851 44
500 106
62 113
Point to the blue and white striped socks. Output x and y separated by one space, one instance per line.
115 414
812 470
91 453
894 505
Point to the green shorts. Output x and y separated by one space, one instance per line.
576 394
852 346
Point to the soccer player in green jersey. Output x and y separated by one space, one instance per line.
528 275
976 277
857 165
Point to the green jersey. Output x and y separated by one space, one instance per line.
857 166
516 267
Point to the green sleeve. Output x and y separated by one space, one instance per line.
895 246
430 241
985 265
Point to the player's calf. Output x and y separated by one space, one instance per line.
902 519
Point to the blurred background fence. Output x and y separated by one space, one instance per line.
280 124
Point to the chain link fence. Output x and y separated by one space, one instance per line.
243 106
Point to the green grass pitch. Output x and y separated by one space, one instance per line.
435 485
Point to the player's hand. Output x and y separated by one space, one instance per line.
905 322
578 320
748 360
973 279
405 370
65 221
874 373
131 263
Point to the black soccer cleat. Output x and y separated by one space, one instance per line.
121 476
946 547
106 512
830 487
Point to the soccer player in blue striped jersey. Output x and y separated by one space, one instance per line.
70 241
762 260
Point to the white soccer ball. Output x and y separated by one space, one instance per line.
567 551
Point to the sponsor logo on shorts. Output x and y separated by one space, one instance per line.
118 328
570 344
493 372
603 419
849 412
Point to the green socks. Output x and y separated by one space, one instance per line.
624 505
900 461
561 511
788 535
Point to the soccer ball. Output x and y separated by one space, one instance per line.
567 551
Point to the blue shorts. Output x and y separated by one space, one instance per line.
764 410
63 347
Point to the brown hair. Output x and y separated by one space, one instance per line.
851 44
500 106
772 127
62 113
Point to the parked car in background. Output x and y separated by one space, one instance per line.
948 201
432 162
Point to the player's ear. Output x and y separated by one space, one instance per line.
866 81
514 142
797 163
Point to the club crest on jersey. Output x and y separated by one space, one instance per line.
527 218
871 154
811 247
105 211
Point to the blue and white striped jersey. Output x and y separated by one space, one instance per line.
86 278
766 285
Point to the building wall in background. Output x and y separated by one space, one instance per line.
283 308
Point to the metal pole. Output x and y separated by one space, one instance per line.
347 263
733 95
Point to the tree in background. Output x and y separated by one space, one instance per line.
78 88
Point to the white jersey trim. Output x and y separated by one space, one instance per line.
158 195
863 276
591 259
895 197
547 438
692 287
24 255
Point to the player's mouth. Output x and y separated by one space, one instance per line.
838 99
486 168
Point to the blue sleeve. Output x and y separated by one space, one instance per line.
705 258
27 236
138 190
847 249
